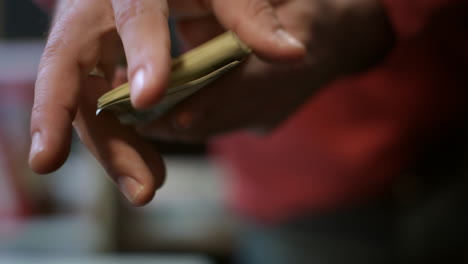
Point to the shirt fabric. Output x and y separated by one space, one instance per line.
351 141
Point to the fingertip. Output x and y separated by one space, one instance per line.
148 58
143 172
258 26
37 147
137 88
135 192
144 197
139 189
132 163
292 46
43 157
147 86
280 46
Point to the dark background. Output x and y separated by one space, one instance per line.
23 19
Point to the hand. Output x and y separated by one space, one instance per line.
341 37
89 33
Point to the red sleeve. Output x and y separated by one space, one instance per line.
422 84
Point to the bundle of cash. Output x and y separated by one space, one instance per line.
189 73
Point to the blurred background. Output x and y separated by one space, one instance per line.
75 215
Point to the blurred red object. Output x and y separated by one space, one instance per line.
45 4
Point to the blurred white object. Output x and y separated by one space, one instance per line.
55 235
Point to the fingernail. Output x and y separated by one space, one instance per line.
287 39
138 84
129 187
36 145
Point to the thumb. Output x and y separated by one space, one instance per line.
256 23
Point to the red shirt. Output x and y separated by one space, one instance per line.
352 140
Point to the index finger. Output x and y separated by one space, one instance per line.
71 51
144 30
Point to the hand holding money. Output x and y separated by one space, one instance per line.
86 34
299 46
189 73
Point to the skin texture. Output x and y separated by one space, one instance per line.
299 46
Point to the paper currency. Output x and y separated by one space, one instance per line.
189 73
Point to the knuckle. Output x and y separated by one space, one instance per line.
62 47
38 110
52 49
126 13
56 42
259 8
49 57
42 107
252 10
129 10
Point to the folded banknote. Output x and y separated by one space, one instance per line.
189 73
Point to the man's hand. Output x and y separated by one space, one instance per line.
88 34
83 36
